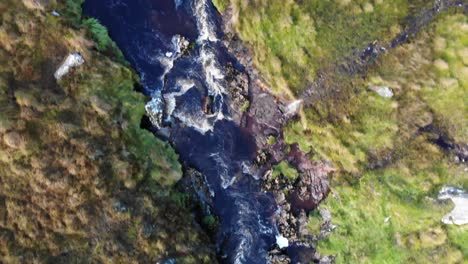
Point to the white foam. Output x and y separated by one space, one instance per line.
203 23
213 75
167 60
199 122
170 98
281 241
226 181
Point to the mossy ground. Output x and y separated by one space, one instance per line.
414 168
81 182
291 40
388 165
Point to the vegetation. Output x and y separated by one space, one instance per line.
73 11
284 168
389 167
390 215
98 32
429 91
291 40
221 5
81 181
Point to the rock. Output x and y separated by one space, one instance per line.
327 260
13 140
302 225
383 91
280 199
312 188
293 108
461 152
459 214
325 214
154 110
73 60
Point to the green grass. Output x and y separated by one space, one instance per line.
221 5
98 32
405 189
291 40
414 233
448 98
285 169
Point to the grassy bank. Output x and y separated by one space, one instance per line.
428 78
81 182
291 40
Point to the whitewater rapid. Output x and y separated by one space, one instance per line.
186 82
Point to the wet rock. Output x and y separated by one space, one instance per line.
277 257
238 87
461 153
280 199
262 158
301 253
313 185
155 110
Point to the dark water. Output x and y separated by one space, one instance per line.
148 32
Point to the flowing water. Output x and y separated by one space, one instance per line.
151 33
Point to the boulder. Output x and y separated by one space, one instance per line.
73 60
13 140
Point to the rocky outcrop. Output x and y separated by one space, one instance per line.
265 118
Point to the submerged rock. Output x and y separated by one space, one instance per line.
459 214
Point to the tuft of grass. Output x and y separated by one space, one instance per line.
284 168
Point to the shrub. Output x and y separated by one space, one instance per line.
99 33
